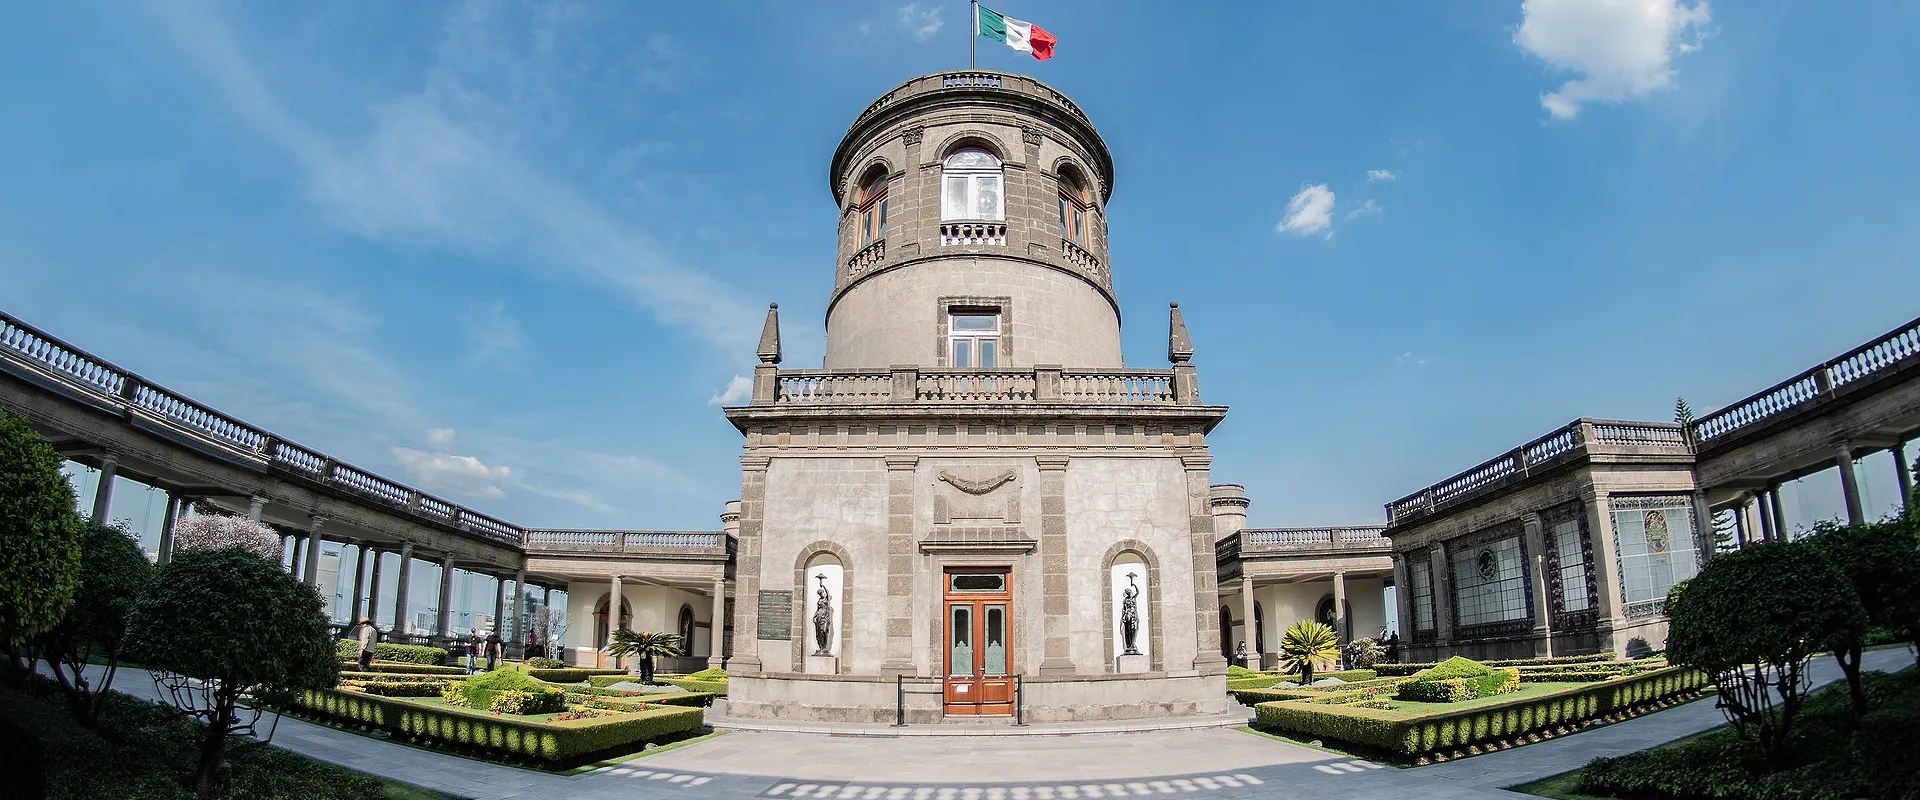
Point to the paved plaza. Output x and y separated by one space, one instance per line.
1211 763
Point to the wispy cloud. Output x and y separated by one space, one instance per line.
738 389
442 165
1622 49
1410 357
453 474
1380 175
440 438
923 23
1366 208
495 333
1309 211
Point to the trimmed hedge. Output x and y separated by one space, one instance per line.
1266 680
389 677
562 675
349 650
1386 669
601 698
403 668
1410 736
549 744
696 686
511 701
403 688
480 690
1457 679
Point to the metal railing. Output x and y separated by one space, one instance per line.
900 696
1820 384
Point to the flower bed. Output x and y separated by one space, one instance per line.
1491 725
555 744
1266 680
1394 670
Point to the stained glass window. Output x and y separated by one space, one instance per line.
1654 540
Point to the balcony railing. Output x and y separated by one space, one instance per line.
972 80
867 257
993 234
1578 437
541 540
1897 348
856 387
84 374
1358 539
1082 259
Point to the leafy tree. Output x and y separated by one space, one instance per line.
1882 561
113 573
1750 620
39 539
230 635
645 645
1305 644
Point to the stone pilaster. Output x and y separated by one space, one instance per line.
900 572
746 611
520 609
1606 563
1442 596
310 566
716 632
1057 658
1252 632
1533 535
1206 587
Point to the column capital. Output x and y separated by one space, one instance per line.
1052 463
406 549
1195 463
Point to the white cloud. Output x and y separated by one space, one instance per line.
439 438
738 389
1378 175
1622 49
923 23
1410 357
1309 212
445 472
1366 208
496 334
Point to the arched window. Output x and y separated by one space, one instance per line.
1259 629
971 186
871 207
1074 205
686 629
602 631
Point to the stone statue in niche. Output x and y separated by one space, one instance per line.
822 618
1130 618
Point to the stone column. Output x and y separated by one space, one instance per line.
1779 514
1767 532
373 589
500 605
1703 526
1206 587
717 634
103 491
1255 659
295 564
900 578
310 574
1849 482
1902 473
256 507
443 624
613 613
1534 539
1057 658
1340 632
746 587
1442 597
520 611
1606 566
165 549
400 592
359 580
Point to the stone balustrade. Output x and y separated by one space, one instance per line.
541 541
973 233
1898 349
1350 540
867 257
1582 437
973 80
1082 259
1034 385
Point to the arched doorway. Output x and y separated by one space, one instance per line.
1226 633
601 633
1324 614
1259 630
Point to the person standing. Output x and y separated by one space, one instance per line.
471 648
493 648
368 636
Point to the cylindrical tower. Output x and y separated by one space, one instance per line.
972 230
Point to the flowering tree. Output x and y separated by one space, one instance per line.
216 531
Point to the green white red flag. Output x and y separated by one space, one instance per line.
1018 34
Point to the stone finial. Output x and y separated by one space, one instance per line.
1179 345
770 336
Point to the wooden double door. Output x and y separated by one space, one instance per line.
978 641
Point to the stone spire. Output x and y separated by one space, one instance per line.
1179 346
770 336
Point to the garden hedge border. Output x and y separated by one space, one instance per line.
1433 735
551 744
403 668
697 686
1386 669
1268 679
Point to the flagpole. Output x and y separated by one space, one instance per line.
975 6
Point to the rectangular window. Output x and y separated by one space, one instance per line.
1570 560
1420 574
1655 541
972 197
1490 582
974 339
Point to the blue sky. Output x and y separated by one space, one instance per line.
513 253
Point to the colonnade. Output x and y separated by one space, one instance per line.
1760 516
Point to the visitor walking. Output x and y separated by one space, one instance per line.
368 636
470 647
493 648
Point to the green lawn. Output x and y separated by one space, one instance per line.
148 748
1525 690
435 702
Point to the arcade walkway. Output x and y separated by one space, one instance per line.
1203 764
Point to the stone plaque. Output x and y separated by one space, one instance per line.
776 615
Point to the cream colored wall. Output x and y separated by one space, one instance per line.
838 500
1111 499
895 317
655 608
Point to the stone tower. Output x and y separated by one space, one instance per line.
974 490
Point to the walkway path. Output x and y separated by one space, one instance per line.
1209 764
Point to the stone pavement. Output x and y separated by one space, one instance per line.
1206 764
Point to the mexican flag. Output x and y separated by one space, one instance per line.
1020 35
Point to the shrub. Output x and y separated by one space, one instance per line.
402 668
1305 644
514 701
408 653
226 627
646 645
551 744
542 662
113 572
454 692
39 535
347 650
1523 663
1364 653
1447 690
1455 667
1882 562
710 674
404 688
479 690
1237 671
1750 620
565 675
389 677
221 531
718 687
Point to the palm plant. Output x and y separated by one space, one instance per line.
645 645
1305 644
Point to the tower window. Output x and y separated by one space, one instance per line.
971 186
1073 209
973 339
872 209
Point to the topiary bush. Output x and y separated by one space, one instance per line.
1457 679
514 701
561 675
113 573
710 674
39 535
408 653
542 662
555 744
479 690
